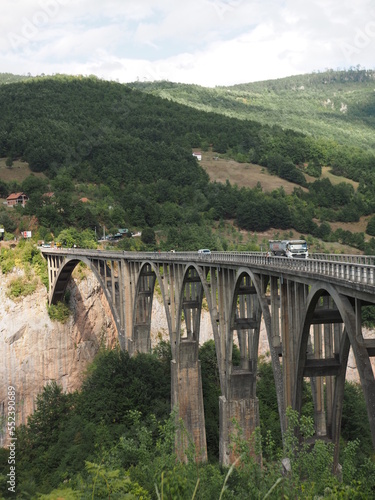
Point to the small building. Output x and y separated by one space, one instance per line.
198 155
17 199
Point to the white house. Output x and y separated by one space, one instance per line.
198 155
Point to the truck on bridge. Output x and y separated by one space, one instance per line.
289 248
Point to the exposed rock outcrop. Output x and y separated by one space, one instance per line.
36 350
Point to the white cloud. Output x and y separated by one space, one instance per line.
209 42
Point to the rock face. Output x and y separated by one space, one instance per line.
35 350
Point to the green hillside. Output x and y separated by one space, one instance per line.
6 78
118 157
335 104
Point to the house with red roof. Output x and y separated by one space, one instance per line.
17 199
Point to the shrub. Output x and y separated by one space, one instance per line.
59 312
21 287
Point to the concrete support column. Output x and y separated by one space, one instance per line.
319 409
330 381
243 408
141 339
275 313
187 396
121 308
128 293
292 296
286 315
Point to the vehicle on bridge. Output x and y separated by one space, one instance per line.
289 248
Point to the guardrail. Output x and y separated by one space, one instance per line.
347 268
354 259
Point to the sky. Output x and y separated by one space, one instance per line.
204 42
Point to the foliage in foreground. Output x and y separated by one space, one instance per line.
115 439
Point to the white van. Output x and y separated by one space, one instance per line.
205 251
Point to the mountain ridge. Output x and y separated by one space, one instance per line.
290 102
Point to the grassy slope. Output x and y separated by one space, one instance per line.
248 175
19 171
329 105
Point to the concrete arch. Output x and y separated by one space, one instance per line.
191 292
265 313
245 315
63 277
169 302
142 308
350 337
203 290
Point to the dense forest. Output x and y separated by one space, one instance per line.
130 154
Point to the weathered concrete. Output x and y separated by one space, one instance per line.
238 421
188 399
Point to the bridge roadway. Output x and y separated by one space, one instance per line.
311 310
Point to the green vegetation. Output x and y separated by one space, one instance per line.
27 258
334 105
21 286
115 437
59 312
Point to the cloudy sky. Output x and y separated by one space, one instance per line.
207 42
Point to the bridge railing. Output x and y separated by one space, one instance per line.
354 270
354 259
347 268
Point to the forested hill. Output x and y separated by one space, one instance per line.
128 155
339 105
6 78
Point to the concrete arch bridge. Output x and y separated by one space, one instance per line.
311 310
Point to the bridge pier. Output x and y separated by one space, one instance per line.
292 304
239 417
187 396
238 405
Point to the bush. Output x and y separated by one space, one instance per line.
370 229
7 262
21 287
59 312
148 236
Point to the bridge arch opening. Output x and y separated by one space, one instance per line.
154 291
102 272
94 321
331 326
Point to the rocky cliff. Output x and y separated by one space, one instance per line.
36 350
